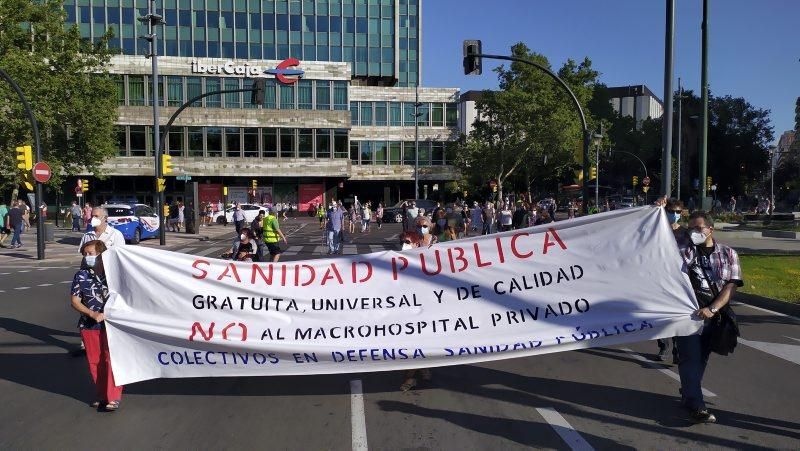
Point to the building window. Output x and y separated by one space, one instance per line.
213 142
395 152
174 144
138 136
194 87
136 90
174 91
287 143
323 143
366 152
305 143
195 141
120 82
380 114
287 97
269 95
408 114
251 143
233 143
437 153
452 115
323 95
233 99
122 141
396 114
379 147
437 115
365 113
353 113
422 115
409 152
340 143
304 95
339 95
424 153
213 84
270 142
354 152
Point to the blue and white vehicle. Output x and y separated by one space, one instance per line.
135 221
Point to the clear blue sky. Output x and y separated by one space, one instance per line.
754 45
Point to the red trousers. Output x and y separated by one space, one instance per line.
100 365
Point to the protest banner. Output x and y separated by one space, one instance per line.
593 281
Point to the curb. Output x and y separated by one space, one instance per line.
787 308
760 235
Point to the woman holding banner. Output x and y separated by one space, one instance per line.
89 295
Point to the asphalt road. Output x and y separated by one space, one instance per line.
606 398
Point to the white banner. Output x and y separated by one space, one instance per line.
593 281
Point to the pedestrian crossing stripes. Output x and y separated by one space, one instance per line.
303 251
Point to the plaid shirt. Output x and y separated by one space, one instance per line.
722 266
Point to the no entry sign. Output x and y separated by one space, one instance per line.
41 172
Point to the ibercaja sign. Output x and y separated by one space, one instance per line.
285 72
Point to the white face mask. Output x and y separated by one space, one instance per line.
423 230
90 260
698 238
406 246
95 222
243 237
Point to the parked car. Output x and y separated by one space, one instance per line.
623 202
250 213
395 212
136 221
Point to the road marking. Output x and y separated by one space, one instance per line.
788 352
565 430
349 249
4 273
212 250
25 270
358 420
44 285
321 250
765 310
376 248
293 250
21 288
669 373
185 250
393 237
65 281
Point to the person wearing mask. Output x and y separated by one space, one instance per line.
244 248
321 215
333 225
110 236
75 211
272 231
238 218
379 215
674 209
411 215
715 273
257 225
366 212
488 218
440 216
424 228
89 293
506 217
353 218
476 221
466 219
16 223
87 215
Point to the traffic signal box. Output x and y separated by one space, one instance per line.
162 185
708 183
593 173
635 180
472 63
25 158
166 164
84 185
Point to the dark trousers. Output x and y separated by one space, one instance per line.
693 351
17 232
76 224
239 226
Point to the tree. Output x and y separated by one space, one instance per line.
65 80
529 128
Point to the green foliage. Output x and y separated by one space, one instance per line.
65 81
528 130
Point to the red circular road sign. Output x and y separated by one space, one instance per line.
41 172
646 181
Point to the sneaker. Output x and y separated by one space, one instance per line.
662 355
702 416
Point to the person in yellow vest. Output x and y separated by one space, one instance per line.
272 232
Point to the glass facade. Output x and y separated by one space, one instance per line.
364 33
436 114
431 153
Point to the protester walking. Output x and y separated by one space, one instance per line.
238 218
4 230
87 215
102 231
272 232
181 215
674 210
75 211
379 215
715 274
16 223
89 294
333 226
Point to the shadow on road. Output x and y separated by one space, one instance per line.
44 334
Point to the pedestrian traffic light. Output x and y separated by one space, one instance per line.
472 63
84 185
708 183
635 180
224 190
24 158
593 173
162 185
166 164
257 95
255 183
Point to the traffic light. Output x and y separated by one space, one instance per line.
593 173
166 164
257 95
472 63
24 158
26 182
255 184
708 183
84 185
635 180
162 185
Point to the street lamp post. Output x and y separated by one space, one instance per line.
680 126
153 20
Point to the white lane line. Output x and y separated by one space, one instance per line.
44 285
292 250
358 420
565 430
21 288
790 352
25 270
41 269
4 273
319 250
349 249
205 252
672 374
65 281
764 310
